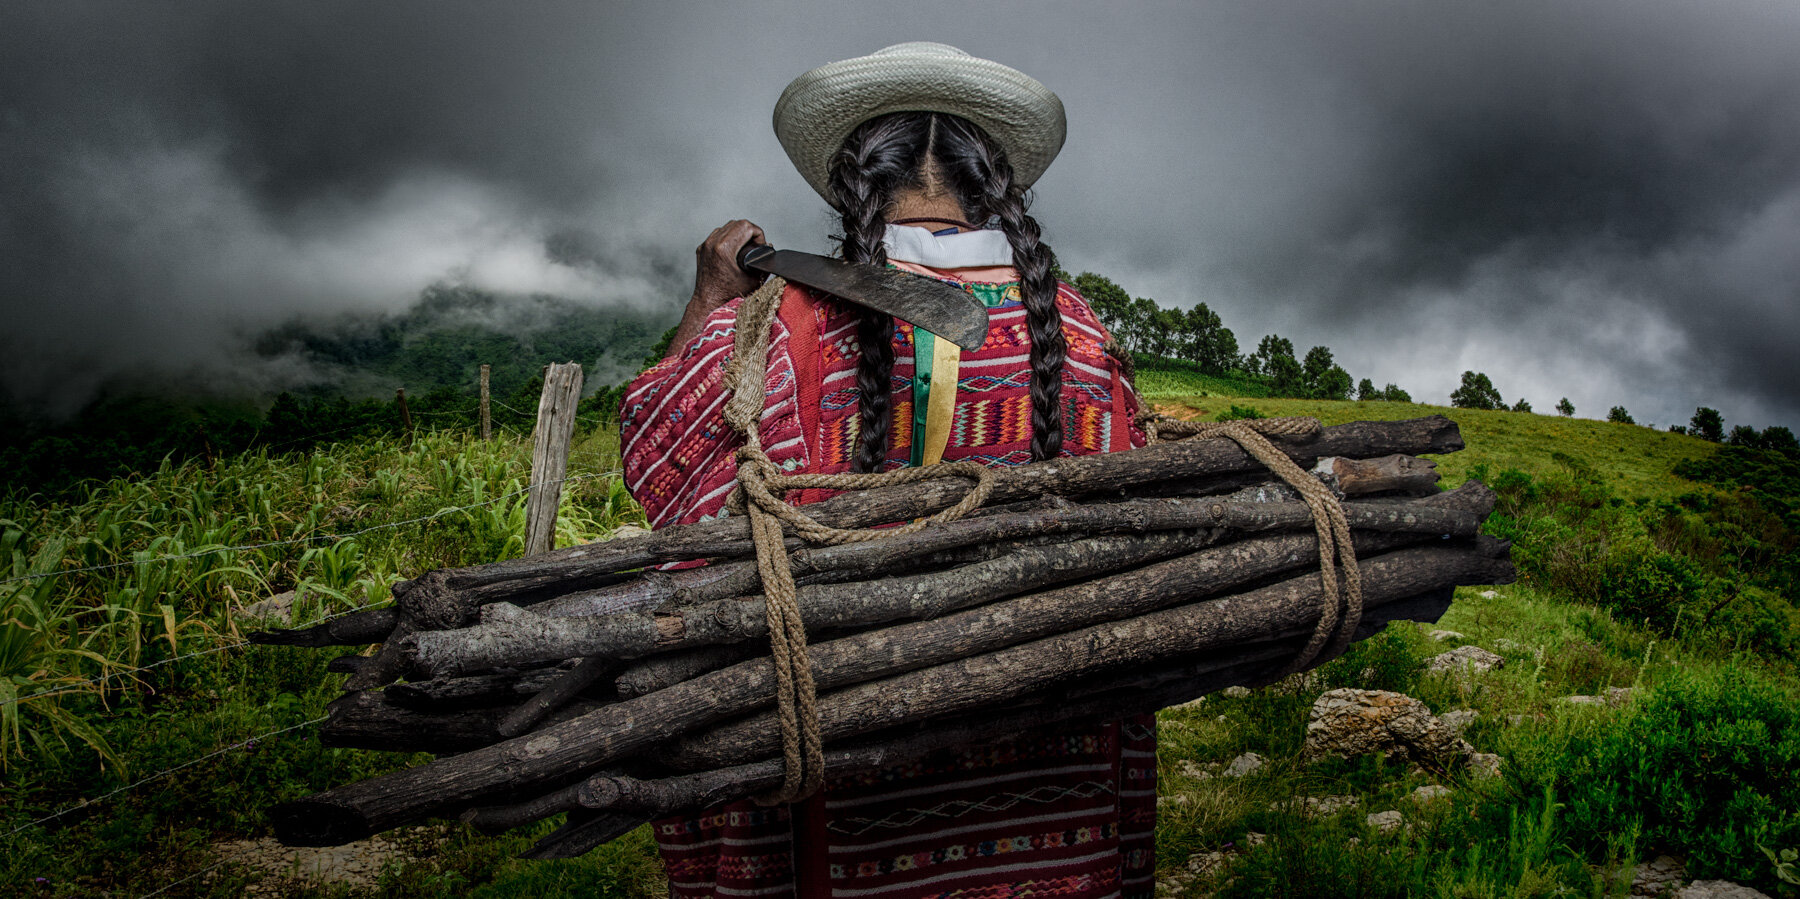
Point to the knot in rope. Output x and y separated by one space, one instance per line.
761 484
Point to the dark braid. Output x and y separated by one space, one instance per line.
864 174
974 162
922 149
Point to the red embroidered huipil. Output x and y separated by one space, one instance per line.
1071 814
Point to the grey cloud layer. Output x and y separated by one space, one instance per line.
1595 200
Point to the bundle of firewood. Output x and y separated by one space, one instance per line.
601 682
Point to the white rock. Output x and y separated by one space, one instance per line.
1485 764
1385 821
1254 839
1235 692
1446 635
1429 793
1190 704
1465 658
1316 807
1487 594
1243 764
1348 723
1658 876
1189 768
1614 696
1718 889
1459 719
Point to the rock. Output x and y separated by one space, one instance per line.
1385 821
276 609
1460 719
1488 594
1189 769
1657 877
1614 697
1174 799
1505 645
1235 692
1429 793
1320 807
1254 839
1718 889
1485 764
1348 723
1204 863
1190 704
1244 764
1465 658
1446 635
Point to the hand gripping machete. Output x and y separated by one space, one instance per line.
949 312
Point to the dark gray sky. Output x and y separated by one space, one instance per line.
1597 200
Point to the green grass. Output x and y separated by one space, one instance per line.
1635 461
1603 532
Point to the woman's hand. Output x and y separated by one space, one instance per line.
717 278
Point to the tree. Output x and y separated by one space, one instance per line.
1707 424
1267 350
1678 429
1393 394
1744 435
1111 304
1476 392
1618 414
1522 405
1565 408
1324 378
1207 342
1365 390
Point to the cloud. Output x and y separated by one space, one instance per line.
1593 200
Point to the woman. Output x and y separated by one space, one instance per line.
913 135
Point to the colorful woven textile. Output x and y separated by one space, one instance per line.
1070 814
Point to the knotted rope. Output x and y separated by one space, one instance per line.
1335 549
760 485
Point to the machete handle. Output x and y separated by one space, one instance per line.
753 253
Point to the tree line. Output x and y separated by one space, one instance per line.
1154 335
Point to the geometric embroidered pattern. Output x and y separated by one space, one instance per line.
953 809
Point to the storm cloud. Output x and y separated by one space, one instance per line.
1598 200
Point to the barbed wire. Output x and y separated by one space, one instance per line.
293 540
249 741
200 873
76 686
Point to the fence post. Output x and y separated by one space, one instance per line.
405 415
550 454
487 421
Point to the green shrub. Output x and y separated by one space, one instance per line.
1707 764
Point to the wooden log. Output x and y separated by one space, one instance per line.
979 681
479 691
510 636
558 693
355 629
550 454
487 420
616 732
367 719
461 591
349 664
1397 473
668 669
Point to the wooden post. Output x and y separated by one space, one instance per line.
405 414
550 454
487 421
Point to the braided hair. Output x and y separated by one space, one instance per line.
936 152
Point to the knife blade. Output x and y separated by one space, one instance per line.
949 312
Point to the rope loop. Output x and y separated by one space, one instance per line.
1342 603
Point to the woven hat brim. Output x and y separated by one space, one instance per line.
820 108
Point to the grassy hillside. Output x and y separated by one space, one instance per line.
1632 577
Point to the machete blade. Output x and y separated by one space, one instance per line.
949 312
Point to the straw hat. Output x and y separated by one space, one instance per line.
820 108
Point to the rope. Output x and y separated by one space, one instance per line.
760 485
1333 530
